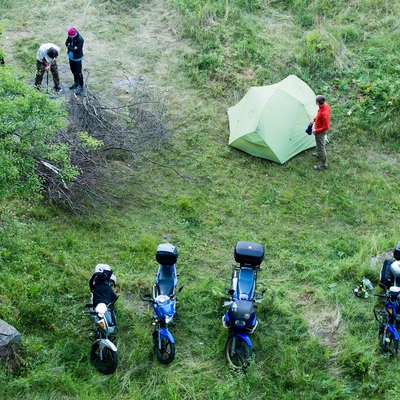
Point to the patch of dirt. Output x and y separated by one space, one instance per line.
141 43
324 324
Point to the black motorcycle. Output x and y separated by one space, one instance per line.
103 353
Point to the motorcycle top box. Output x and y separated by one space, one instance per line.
249 253
166 254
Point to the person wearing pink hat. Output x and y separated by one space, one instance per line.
74 45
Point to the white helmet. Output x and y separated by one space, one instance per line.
102 268
395 268
107 270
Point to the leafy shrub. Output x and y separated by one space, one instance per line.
318 54
29 122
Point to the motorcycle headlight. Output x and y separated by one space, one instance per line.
101 324
168 319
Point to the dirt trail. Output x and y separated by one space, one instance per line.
141 43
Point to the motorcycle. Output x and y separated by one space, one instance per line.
103 353
387 333
240 319
163 300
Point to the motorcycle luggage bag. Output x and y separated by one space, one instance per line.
249 253
166 254
385 276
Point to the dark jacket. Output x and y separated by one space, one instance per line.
76 41
100 286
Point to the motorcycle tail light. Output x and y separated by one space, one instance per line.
101 324
390 311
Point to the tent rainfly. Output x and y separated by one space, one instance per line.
270 121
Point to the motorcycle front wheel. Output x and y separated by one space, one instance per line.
239 357
104 361
164 352
387 342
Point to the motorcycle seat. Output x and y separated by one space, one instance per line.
165 281
246 283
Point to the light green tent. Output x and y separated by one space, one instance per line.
270 121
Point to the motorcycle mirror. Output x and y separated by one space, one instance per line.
180 289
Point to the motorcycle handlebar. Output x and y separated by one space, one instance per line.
149 299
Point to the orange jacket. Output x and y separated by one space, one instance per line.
322 119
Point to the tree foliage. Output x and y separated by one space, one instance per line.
29 121
67 153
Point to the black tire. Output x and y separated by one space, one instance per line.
387 342
241 357
108 364
166 353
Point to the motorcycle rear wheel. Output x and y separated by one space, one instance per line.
388 343
166 353
240 358
107 364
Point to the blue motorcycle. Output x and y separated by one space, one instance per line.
240 319
163 300
387 333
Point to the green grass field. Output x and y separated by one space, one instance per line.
323 231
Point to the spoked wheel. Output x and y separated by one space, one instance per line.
104 361
166 353
389 345
239 357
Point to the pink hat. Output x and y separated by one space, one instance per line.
72 31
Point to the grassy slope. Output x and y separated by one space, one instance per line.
315 339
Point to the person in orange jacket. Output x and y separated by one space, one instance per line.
320 129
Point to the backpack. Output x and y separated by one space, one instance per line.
385 276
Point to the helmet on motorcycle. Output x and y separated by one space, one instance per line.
395 268
107 271
102 268
396 251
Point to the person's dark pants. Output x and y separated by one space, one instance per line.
76 69
41 69
320 141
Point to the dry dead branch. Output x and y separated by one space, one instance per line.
126 131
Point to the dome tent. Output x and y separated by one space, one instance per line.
270 121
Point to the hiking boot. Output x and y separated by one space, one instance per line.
319 167
73 86
315 154
79 90
58 89
38 87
